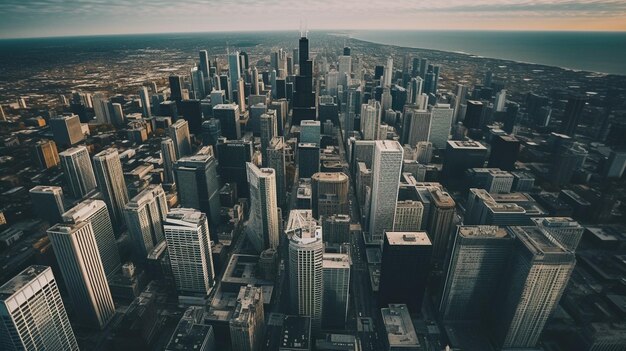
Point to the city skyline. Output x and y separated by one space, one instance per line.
95 17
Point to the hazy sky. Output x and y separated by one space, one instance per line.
37 18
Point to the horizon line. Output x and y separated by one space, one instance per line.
315 31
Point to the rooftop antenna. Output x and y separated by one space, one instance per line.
300 29
306 27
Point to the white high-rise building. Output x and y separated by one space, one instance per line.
306 250
32 313
565 230
441 122
179 132
539 272
263 224
386 171
144 96
111 184
500 104
388 74
276 161
144 216
189 246
370 120
386 99
76 251
336 267
101 108
345 70
95 212
168 154
78 171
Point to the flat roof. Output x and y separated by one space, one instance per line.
335 260
408 238
482 231
22 280
466 144
399 327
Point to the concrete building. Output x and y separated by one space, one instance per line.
111 184
564 230
179 133
408 216
310 131
47 202
269 130
276 161
329 194
168 155
247 325
441 122
399 328
77 252
306 249
33 315
144 215
370 120
263 225
386 171
441 222
189 247
66 130
499 181
78 171
336 229
45 154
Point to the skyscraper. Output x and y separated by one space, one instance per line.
388 75
145 102
45 154
310 131
176 88
504 151
336 273
269 129
276 161
473 114
78 171
179 133
308 159
571 115
168 154
232 156
370 120
228 114
205 65
336 229
111 184
234 70
404 270
144 216
47 202
441 122
95 212
66 130
303 97
247 325
76 251
198 185
417 124
386 170
440 222
408 216
460 156
263 225
564 230
478 258
533 285
329 194
33 315
189 247
306 249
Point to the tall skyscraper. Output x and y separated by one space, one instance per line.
111 184
76 251
310 131
306 249
440 222
571 115
176 88
276 161
95 212
232 156
48 202
388 75
478 258
179 133
269 129
168 154
564 230
416 126
303 97
247 325
228 115
504 152
336 229
263 225
473 114
442 117
45 154
33 315
408 216
78 171
189 247
197 83
329 194
205 65
336 273
101 109
198 185
533 285
370 119
66 130
386 170
145 102
404 270
144 216
308 159
460 156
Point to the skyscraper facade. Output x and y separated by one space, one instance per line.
228 115
179 133
329 194
263 225
168 154
386 170
247 325
76 251
78 171
33 315
111 184
276 161
269 129
442 116
66 130
144 215
441 222
189 248
336 273
45 154
48 202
